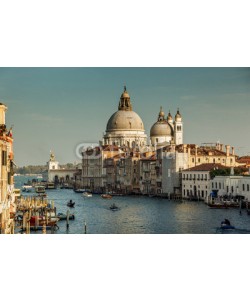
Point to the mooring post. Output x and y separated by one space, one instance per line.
67 226
85 227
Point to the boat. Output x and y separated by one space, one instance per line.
50 185
39 176
27 188
40 189
71 204
106 196
226 225
113 207
80 191
62 216
86 194
217 205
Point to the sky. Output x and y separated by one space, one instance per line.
59 108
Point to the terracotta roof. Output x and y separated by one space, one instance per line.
152 157
207 167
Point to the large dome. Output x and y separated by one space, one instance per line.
125 120
161 129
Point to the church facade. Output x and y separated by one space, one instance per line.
125 127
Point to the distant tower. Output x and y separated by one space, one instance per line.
52 163
178 128
170 119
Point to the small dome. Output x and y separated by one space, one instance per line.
161 113
178 115
161 129
125 120
169 117
125 94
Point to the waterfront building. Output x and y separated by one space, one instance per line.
196 181
98 167
231 185
127 171
148 185
7 193
59 175
175 158
125 127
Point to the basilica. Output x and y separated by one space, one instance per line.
125 127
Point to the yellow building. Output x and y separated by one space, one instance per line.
7 195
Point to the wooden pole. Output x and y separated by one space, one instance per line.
67 223
85 227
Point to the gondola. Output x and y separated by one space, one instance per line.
113 207
226 225
71 204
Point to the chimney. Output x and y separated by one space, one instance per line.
189 151
221 147
3 110
196 147
227 150
233 153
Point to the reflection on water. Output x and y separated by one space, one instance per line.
142 215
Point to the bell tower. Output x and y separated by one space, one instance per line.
178 128
52 163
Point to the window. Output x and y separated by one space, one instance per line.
193 160
205 176
183 176
216 186
248 187
199 160
9 178
243 187
184 192
220 185
4 158
212 185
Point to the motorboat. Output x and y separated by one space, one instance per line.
106 196
40 189
113 207
87 195
71 204
226 225
27 188
80 191
217 205
50 185
62 216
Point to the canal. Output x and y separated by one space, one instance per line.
141 215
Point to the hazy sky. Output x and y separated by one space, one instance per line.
58 108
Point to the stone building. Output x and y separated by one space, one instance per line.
7 194
59 175
175 158
196 181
